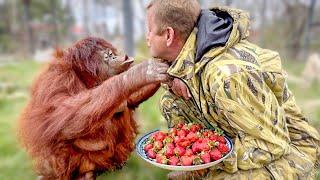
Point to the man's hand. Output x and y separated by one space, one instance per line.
179 88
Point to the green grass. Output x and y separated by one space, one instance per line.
15 165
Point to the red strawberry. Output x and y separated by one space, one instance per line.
204 146
205 133
223 148
215 154
213 137
160 136
210 133
192 137
173 160
161 159
195 147
177 139
182 133
206 140
173 131
188 152
195 128
179 126
169 152
205 157
221 139
151 154
184 143
158 145
180 151
170 145
186 160
147 147
186 128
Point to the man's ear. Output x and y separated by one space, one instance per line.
170 35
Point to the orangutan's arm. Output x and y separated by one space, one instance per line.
84 112
142 94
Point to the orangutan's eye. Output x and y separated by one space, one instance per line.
108 55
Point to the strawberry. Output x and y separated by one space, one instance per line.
210 133
195 128
223 148
151 154
177 139
173 160
184 143
170 145
185 128
221 139
215 154
158 145
173 131
213 137
179 126
195 147
161 159
182 133
169 152
192 137
204 146
147 147
205 157
186 160
188 152
180 151
160 136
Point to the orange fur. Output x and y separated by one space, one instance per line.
72 126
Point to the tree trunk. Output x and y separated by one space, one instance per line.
29 31
56 38
308 27
128 27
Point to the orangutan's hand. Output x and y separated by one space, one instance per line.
179 88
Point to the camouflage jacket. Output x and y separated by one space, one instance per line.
241 89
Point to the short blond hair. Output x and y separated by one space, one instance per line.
181 15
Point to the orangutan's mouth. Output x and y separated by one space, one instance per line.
128 60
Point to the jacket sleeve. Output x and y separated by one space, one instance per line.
251 109
169 107
302 134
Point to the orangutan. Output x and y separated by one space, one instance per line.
79 120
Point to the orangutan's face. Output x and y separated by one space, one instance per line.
115 63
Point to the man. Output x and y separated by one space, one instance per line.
222 80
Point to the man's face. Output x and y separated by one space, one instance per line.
156 42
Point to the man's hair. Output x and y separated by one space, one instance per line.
181 15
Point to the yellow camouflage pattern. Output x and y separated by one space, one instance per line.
241 89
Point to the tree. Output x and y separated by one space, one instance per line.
56 36
128 26
27 23
308 26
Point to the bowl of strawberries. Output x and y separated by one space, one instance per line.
185 147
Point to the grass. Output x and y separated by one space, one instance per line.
15 165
